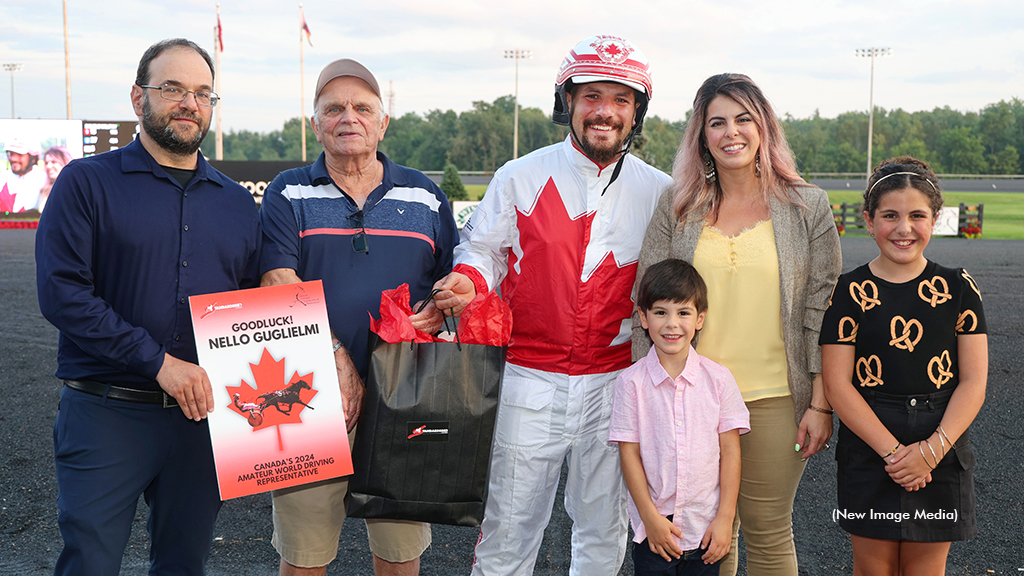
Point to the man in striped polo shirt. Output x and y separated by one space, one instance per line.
362 224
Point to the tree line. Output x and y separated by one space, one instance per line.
952 142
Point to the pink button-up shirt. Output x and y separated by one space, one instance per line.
677 424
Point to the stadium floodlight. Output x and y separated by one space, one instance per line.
517 55
12 68
871 53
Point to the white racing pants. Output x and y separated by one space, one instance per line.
543 420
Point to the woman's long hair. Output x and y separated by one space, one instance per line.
58 153
694 197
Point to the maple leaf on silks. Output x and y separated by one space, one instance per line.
269 377
6 200
570 320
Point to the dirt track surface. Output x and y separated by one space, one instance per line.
30 540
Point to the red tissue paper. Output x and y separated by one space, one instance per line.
487 320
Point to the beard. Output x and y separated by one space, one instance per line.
603 153
160 130
24 166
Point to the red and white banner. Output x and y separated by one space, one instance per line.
278 420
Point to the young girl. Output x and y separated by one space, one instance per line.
904 360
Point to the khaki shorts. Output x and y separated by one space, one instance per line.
307 526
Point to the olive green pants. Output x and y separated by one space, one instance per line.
770 476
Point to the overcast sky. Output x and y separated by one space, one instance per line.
446 54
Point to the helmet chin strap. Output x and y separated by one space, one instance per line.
622 158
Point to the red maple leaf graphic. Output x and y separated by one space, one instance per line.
563 322
612 49
272 401
6 200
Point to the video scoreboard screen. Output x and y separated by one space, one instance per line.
37 150
100 136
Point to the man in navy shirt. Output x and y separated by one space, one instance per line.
362 224
127 237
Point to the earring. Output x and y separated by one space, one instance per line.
710 174
757 167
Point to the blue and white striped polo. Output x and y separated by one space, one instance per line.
308 226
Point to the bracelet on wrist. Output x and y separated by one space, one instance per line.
943 433
921 449
822 410
934 457
942 444
894 449
336 347
922 454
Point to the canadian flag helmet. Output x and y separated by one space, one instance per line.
603 59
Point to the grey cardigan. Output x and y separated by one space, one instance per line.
810 261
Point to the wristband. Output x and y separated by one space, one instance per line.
894 450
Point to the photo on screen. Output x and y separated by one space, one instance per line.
35 153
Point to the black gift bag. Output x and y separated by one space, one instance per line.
423 445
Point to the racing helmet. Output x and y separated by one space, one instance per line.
603 59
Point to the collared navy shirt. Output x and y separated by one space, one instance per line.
308 226
121 247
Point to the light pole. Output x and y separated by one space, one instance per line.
516 55
12 68
67 60
871 53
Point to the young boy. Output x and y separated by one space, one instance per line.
677 418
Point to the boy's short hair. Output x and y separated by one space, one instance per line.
673 280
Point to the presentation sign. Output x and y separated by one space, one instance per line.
278 420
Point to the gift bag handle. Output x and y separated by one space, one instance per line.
433 293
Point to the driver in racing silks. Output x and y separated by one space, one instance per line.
559 231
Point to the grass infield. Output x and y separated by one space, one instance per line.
1004 211
476 191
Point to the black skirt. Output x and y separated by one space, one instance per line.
872 505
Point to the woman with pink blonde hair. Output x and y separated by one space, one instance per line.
54 160
766 245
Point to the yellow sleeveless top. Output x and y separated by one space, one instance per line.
743 327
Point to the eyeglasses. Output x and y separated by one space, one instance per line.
360 240
178 94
